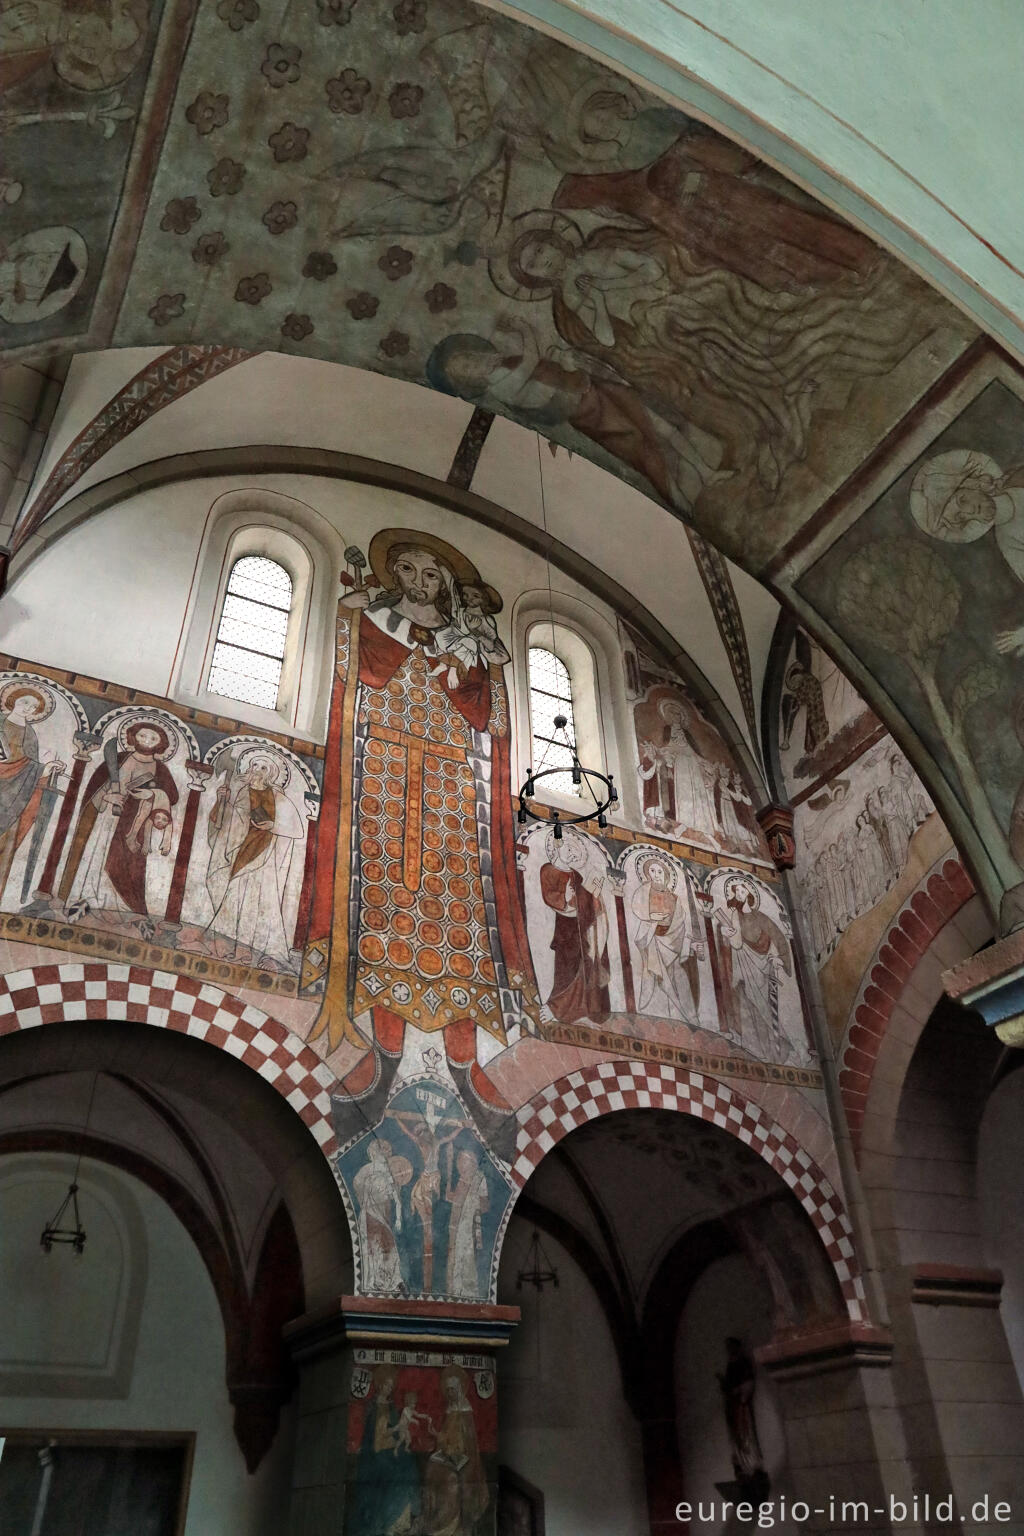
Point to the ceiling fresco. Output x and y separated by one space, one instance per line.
426 189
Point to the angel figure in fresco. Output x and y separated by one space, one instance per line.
572 884
126 816
741 358
253 831
667 939
24 773
545 387
962 495
535 104
753 952
377 1187
420 709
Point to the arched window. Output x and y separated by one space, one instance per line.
551 695
248 653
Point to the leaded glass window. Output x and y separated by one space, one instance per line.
551 695
248 653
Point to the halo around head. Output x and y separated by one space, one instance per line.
281 771
127 730
740 883
646 862
12 692
507 272
938 481
390 540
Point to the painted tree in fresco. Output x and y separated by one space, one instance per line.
900 596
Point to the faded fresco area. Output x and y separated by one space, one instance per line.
865 827
72 79
436 192
903 586
690 787
422 1443
130 835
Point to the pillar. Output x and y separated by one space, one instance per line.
846 1452
397 1416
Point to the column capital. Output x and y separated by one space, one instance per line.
992 983
814 1351
401 1322
776 822
955 1285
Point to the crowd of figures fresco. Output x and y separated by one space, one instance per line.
121 827
855 820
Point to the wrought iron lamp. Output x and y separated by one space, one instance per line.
539 1270
603 801
60 1229
74 1235
608 797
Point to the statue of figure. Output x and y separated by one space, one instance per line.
737 1382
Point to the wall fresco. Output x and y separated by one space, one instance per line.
127 832
902 586
422 1443
864 825
73 80
440 193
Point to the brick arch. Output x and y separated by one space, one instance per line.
585 1095
55 994
890 983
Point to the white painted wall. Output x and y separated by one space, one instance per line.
177 1377
1001 1197
563 1422
727 1300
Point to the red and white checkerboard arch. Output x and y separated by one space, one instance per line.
612 1085
54 994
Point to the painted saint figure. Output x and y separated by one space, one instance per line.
430 1131
455 1491
23 773
126 815
376 1188
665 937
469 1200
420 725
253 832
572 885
753 952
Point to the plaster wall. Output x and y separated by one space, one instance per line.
1000 1150
726 1301
564 1423
176 1369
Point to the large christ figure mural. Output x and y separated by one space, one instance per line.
417 862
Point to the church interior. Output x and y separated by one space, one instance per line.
511 770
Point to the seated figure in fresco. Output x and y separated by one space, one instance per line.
455 1490
253 832
572 885
420 724
23 773
126 815
753 950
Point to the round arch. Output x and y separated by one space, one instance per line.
54 994
616 1085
